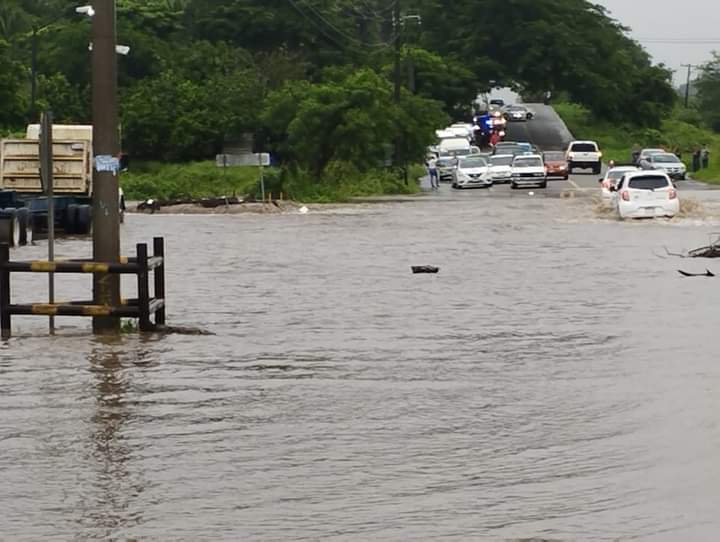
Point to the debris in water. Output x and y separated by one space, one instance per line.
710 251
416 269
707 273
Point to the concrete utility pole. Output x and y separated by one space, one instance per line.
689 67
106 148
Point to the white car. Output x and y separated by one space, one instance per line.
584 154
528 170
472 171
515 113
646 194
611 178
501 168
667 162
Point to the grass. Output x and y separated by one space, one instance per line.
340 183
680 131
160 180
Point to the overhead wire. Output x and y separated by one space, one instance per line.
341 33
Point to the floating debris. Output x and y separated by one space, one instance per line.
417 269
710 251
707 273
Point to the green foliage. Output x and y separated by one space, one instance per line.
617 140
13 105
351 117
190 180
708 86
342 181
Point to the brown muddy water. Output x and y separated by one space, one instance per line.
556 380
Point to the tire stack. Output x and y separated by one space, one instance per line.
16 227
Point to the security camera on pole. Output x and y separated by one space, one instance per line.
106 149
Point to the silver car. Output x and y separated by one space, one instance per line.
667 162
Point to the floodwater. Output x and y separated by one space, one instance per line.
557 380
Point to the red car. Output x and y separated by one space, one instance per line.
556 164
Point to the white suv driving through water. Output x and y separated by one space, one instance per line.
584 155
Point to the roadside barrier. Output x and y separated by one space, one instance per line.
144 307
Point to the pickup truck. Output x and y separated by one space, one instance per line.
584 154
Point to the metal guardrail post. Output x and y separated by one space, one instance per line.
159 276
143 288
5 317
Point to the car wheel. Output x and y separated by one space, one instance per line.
83 219
597 169
566 177
544 184
570 169
513 186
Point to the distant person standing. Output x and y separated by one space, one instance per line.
635 155
696 159
705 157
433 172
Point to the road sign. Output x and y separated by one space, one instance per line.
250 159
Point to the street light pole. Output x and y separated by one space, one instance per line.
106 147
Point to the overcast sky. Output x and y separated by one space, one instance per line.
671 20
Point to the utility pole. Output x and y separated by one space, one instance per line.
33 73
689 67
397 36
106 148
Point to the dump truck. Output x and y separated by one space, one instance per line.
23 204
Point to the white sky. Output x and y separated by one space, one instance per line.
678 20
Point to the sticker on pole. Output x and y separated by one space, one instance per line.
106 162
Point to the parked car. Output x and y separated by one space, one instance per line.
501 168
472 172
556 164
584 155
528 170
645 194
611 178
667 162
445 167
518 113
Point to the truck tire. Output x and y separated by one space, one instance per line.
83 219
597 169
70 218
26 227
9 227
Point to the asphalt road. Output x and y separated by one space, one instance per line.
548 132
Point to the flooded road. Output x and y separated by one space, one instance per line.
556 380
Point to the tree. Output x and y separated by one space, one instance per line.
350 117
11 84
708 89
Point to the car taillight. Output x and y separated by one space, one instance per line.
672 193
625 195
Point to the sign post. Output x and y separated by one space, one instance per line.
46 176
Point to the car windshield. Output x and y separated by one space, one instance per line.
460 152
583 147
665 158
525 146
554 156
530 161
474 161
501 161
445 162
516 108
648 182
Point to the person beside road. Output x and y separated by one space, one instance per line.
705 157
696 159
433 172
